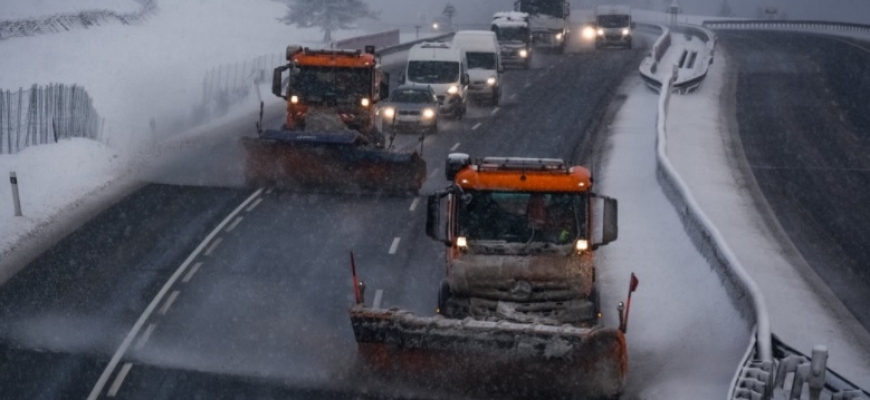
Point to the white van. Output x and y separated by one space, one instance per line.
484 64
444 68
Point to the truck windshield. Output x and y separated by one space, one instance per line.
433 71
519 217
511 34
481 60
553 8
320 83
613 21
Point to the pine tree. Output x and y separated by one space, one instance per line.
328 15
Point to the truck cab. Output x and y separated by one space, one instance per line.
614 26
514 37
520 240
548 21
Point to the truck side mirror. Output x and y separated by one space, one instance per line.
433 218
610 229
633 25
385 86
500 68
465 79
277 89
402 78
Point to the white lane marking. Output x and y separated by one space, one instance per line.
433 173
270 190
455 146
234 224
192 271
513 96
414 204
494 111
477 125
145 336
128 340
213 246
169 302
253 206
119 380
379 295
395 245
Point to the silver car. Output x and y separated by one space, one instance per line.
410 108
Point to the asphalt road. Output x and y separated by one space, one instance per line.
262 312
803 120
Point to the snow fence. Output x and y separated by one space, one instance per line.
80 20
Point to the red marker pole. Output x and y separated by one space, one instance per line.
356 293
631 288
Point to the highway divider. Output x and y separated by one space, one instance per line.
408 45
789 25
768 364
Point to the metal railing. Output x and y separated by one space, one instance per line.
784 24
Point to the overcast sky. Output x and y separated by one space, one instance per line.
469 11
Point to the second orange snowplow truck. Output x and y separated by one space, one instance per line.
519 312
329 140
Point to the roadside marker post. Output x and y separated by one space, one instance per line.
13 179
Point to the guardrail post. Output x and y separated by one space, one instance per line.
13 179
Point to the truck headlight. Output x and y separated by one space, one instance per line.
490 81
294 99
581 245
558 36
625 31
453 89
428 113
588 32
365 102
524 53
462 242
389 112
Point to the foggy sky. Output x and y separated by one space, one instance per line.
476 11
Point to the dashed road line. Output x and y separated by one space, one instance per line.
513 96
145 336
128 340
234 224
477 125
395 245
119 380
191 272
433 173
253 206
213 246
455 146
379 296
270 190
169 302
494 111
414 204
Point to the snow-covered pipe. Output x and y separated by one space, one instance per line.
707 235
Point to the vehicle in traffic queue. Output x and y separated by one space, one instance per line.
410 108
444 68
484 64
514 37
613 26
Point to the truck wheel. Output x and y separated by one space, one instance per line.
443 297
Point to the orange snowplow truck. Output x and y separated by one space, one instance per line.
329 140
518 313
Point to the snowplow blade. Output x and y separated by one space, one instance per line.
491 359
329 162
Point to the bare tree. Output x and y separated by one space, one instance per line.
328 15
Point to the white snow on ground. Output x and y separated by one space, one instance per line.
18 9
685 337
803 310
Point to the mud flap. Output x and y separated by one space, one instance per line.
487 359
329 162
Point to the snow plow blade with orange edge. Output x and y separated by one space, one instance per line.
337 162
486 359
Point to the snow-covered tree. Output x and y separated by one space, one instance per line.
328 15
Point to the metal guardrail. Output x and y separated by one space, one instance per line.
649 67
408 45
800 24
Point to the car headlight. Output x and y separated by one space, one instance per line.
558 36
524 53
588 32
462 242
490 81
365 102
600 32
453 89
294 99
389 112
435 26
428 113
625 31
581 245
